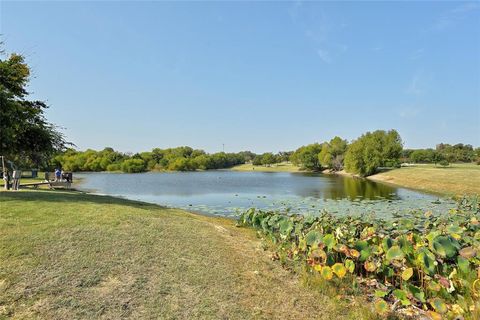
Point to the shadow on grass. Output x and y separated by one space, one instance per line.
71 196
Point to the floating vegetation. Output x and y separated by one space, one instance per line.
418 261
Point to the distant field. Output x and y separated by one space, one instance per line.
278 167
456 179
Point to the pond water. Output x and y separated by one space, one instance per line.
228 192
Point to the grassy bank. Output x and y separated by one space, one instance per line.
278 167
72 255
456 179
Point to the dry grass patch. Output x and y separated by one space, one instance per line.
71 255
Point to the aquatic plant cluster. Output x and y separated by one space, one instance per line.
416 261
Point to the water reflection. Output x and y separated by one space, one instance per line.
221 192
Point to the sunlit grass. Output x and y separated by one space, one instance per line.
71 255
456 179
277 167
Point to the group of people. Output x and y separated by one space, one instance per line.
60 175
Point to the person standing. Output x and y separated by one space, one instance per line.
58 175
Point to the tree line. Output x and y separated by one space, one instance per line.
442 153
172 159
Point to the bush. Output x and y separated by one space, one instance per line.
114 167
133 166
444 163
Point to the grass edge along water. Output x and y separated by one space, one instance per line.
414 264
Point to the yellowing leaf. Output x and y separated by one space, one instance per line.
381 306
369 266
407 274
317 267
339 270
434 316
327 273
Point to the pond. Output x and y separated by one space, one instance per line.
226 192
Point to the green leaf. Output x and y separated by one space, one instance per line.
387 243
350 265
313 237
445 246
402 296
426 260
463 265
286 227
394 253
380 294
329 241
417 293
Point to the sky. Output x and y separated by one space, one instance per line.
260 76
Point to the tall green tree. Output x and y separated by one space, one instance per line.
373 150
306 157
27 138
332 153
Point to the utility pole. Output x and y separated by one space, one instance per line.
223 147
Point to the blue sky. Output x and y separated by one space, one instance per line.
263 76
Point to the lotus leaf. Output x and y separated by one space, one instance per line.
439 305
381 306
327 273
339 269
369 266
394 253
402 296
445 246
468 252
313 237
350 265
407 274
329 241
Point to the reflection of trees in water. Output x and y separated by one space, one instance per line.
335 187
361 188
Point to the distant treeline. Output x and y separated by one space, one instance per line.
363 156
172 159
443 152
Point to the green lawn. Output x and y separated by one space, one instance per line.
68 255
278 167
456 179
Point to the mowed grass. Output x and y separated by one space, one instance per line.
68 255
456 179
277 167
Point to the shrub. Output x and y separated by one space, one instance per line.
444 163
133 166
114 167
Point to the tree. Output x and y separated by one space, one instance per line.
373 150
307 157
268 159
27 137
332 153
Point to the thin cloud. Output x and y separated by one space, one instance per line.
317 29
324 55
418 84
450 18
